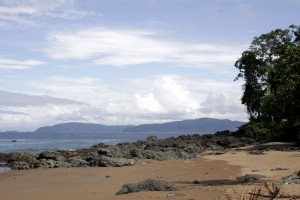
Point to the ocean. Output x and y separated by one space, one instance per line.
35 143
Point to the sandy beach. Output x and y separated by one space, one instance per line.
103 183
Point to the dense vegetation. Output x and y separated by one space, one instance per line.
271 91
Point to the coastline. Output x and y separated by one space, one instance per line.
102 183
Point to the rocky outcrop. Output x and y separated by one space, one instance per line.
125 154
147 185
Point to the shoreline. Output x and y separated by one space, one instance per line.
102 183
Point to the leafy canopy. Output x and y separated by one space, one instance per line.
271 72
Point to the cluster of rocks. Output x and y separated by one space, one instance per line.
126 154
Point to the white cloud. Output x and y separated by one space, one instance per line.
144 100
17 110
10 99
119 47
27 12
6 63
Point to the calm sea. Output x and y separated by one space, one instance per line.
33 142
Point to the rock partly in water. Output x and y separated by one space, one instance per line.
20 156
147 185
20 165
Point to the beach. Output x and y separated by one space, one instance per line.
103 182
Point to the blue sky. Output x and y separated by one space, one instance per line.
127 61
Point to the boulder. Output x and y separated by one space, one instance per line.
51 155
249 178
92 158
78 162
105 161
147 185
20 156
20 165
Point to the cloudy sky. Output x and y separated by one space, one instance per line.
127 61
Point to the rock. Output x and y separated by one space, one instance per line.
110 152
92 158
147 185
52 155
21 160
78 162
20 165
136 153
62 164
3 157
292 179
105 161
22 156
256 152
249 178
279 169
3 164
49 163
218 152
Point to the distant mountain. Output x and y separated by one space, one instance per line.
74 127
202 125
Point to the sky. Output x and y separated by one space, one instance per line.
127 61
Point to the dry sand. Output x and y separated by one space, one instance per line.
103 183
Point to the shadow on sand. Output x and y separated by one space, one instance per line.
215 182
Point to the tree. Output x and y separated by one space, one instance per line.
271 71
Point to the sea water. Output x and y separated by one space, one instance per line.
38 142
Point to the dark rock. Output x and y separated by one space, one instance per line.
279 169
78 162
20 156
52 155
256 152
3 157
218 152
147 185
136 153
105 161
20 165
111 152
92 158
249 178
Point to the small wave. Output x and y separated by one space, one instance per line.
4 169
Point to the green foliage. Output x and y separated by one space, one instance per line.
271 71
256 130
